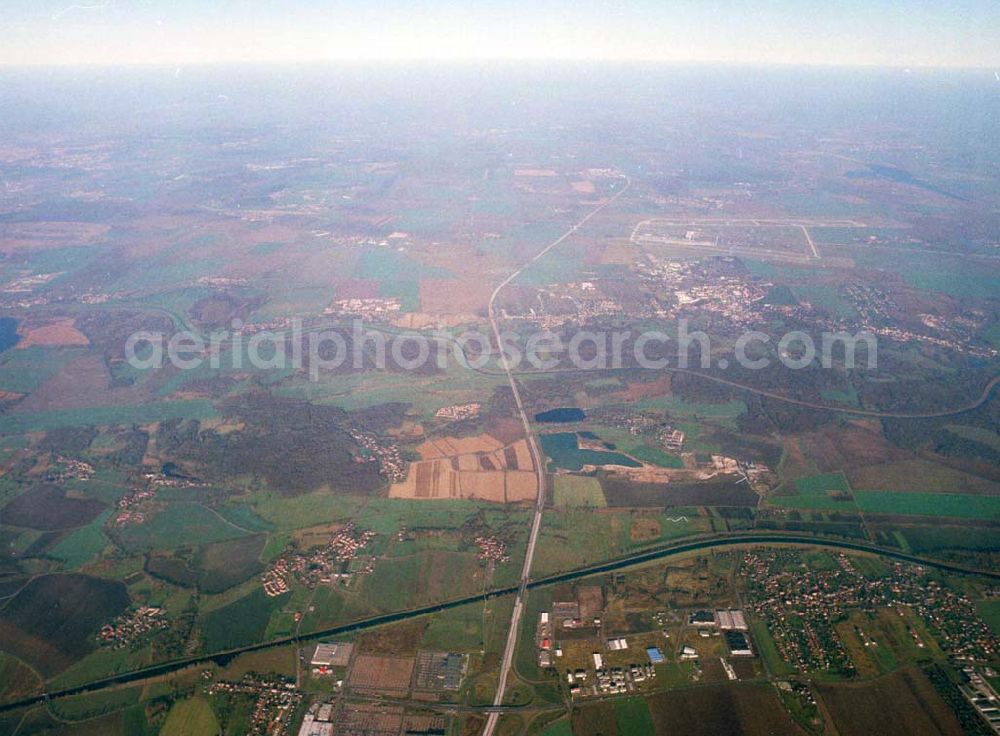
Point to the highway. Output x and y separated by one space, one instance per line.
536 458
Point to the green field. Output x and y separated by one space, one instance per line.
456 629
191 717
421 579
389 265
981 435
829 298
822 483
990 611
83 544
266 249
228 563
727 412
633 718
242 622
180 523
25 369
958 505
773 660
559 728
935 272
575 537
656 456
821 492
12 423
576 490
80 707
847 396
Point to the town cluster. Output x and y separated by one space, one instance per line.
276 702
651 423
132 627
457 412
370 310
881 315
390 460
162 480
128 513
729 293
492 549
70 469
801 607
322 565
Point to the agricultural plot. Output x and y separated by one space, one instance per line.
47 507
823 492
575 537
52 621
16 679
656 456
632 716
428 577
915 475
901 704
191 717
228 563
650 527
60 332
621 493
213 568
456 629
753 710
559 728
178 524
244 621
956 505
471 468
595 719
83 544
22 371
990 612
385 516
148 413
574 490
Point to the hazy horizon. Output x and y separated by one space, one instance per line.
883 33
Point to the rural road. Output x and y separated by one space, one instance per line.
536 458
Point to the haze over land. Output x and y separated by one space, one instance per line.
732 531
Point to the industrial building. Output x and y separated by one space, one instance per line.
702 618
331 654
739 645
731 619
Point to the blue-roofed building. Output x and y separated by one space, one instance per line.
655 655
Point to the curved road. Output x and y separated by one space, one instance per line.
536 458
934 414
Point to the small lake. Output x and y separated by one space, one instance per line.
561 416
8 333
564 449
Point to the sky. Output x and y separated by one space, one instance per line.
897 33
